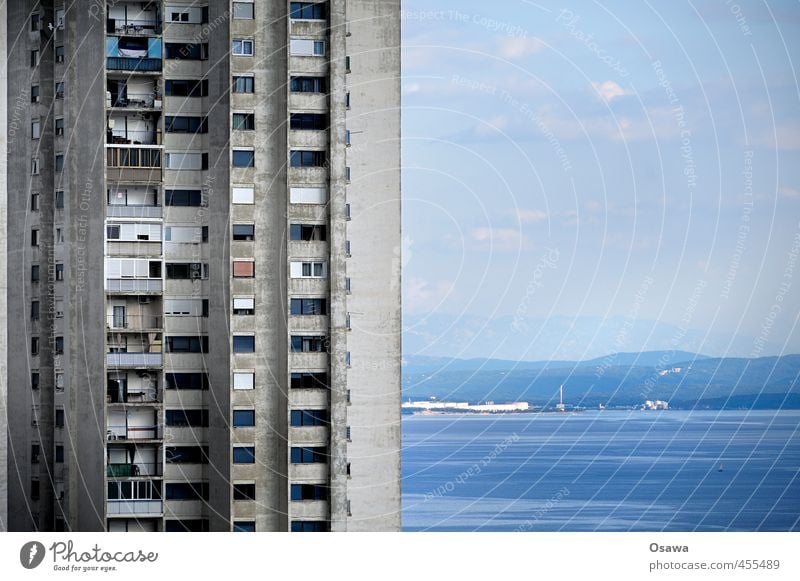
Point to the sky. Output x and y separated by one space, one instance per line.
607 165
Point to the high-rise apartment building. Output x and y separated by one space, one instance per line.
203 265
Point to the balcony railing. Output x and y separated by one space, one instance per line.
144 248
118 211
135 507
133 433
133 360
133 137
134 101
134 285
144 396
133 26
133 470
134 322
134 64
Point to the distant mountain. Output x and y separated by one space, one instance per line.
684 379
559 338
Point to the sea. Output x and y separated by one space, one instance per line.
603 471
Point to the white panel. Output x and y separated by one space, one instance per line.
184 234
301 47
243 303
243 380
177 160
308 195
243 195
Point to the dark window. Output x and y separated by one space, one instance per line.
36 451
309 307
309 85
243 84
244 231
199 525
35 380
34 490
244 455
60 195
244 492
34 237
187 380
187 455
244 526
309 492
186 51
309 455
244 344
302 158
183 198
244 158
307 232
244 121
34 273
35 94
59 162
59 54
34 310
309 526
187 344
309 10
34 58
308 418
35 21
185 125
59 454
58 346
244 418
186 270
59 90
186 88
308 121
59 418
186 418
59 271
308 344
309 380
186 491
34 345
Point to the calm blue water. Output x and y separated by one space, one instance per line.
603 471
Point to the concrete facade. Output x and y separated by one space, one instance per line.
3 278
218 292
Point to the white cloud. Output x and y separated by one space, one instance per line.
531 216
486 233
514 47
411 88
790 192
609 90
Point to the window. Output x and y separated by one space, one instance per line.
244 455
34 273
34 310
309 307
59 54
59 237
244 526
306 47
308 121
35 26
185 125
186 418
34 489
59 126
183 198
186 270
60 90
244 418
301 158
308 344
186 88
198 525
186 380
36 452
307 232
186 490
59 418
187 344
309 380
309 455
244 232
35 380
35 166
244 306
59 271
34 58
243 195
34 202
59 454
35 94
60 162
34 237
305 195
244 269
308 269
186 51
243 11
187 455
309 85
243 84
59 199
243 380
244 491
309 492
242 47
244 121
309 526
309 10
36 129
244 344
308 418
58 346
244 158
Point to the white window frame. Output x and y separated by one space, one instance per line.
243 43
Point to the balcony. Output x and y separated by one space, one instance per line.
133 64
128 433
132 137
134 286
137 470
120 211
133 360
134 101
135 507
133 53
133 164
118 395
148 25
134 322
141 248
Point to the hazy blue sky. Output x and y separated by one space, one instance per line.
629 161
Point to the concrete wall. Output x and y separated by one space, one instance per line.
3 276
375 266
